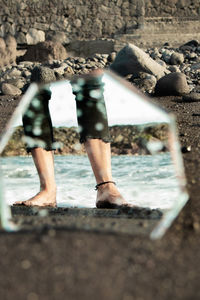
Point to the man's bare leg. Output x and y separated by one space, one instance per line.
44 163
99 155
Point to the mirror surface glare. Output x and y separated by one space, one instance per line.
146 159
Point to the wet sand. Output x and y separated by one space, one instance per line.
77 263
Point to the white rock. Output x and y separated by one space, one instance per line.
35 36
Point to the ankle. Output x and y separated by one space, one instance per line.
50 189
104 184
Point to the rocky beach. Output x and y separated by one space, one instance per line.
88 259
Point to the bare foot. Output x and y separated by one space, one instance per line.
42 199
108 196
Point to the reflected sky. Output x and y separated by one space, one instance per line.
123 107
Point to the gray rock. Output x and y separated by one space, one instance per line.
176 58
26 73
132 60
166 55
172 84
174 69
161 62
191 56
192 97
145 82
195 67
9 89
155 54
42 75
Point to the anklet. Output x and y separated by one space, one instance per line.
104 182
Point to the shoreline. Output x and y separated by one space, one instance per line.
125 140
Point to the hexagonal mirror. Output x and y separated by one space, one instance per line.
121 138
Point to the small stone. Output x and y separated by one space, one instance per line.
174 69
192 97
19 83
9 89
191 56
68 71
176 58
195 67
186 149
111 56
25 264
15 73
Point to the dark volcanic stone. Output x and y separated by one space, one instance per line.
173 84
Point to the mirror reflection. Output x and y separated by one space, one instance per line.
146 165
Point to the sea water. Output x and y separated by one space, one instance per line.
147 181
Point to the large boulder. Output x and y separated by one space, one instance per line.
133 60
173 84
45 52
